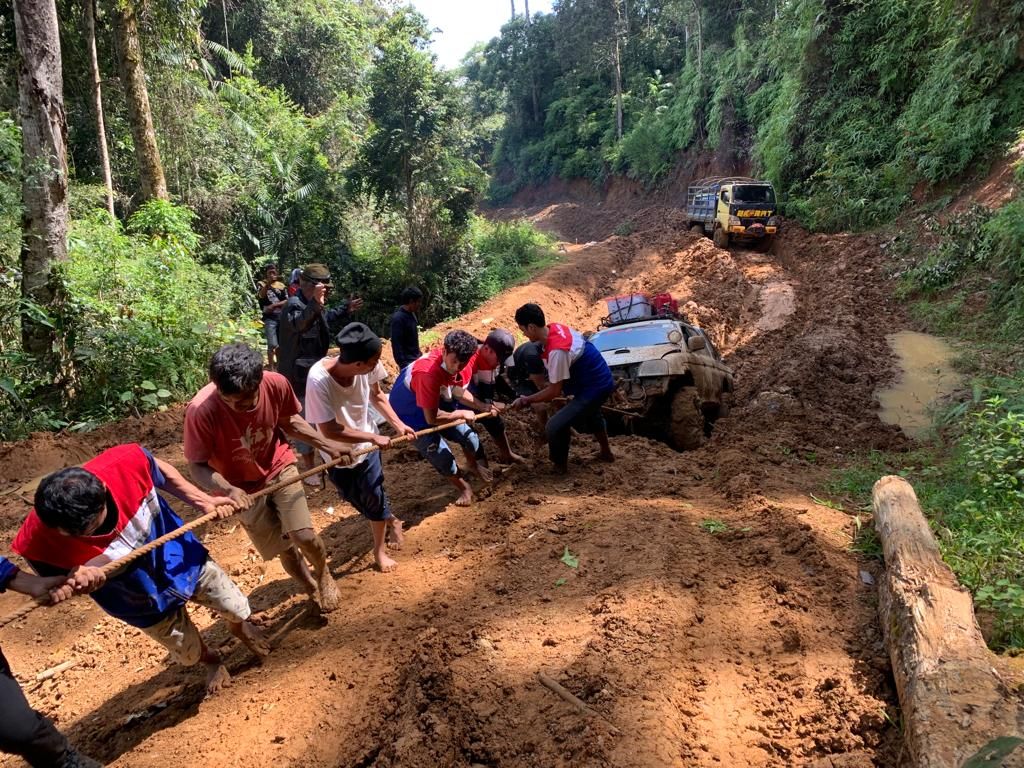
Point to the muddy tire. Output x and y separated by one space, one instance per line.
697 229
686 420
721 238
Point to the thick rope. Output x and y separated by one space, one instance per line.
116 565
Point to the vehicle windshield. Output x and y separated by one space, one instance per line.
632 336
750 193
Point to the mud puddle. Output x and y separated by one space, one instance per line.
926 376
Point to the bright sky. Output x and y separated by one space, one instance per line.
464 23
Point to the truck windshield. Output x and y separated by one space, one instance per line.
632 336
749 193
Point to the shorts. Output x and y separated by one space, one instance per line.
362 486
217 592
271 518
270 332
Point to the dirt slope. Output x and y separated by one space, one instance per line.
717 616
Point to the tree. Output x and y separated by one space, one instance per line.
89 9
416 158
133 77
44 170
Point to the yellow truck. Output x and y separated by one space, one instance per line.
732 209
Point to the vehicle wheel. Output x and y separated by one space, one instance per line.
686 420
697 229
721 238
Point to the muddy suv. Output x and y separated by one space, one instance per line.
671 382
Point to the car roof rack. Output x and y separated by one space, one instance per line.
607 322
712 181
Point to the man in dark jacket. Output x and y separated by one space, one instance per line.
305 335
405 335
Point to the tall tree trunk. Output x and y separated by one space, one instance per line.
97 100
513 9
224 10
526 5
618 69
700 40
44 166
133 76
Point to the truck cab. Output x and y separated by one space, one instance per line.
734 209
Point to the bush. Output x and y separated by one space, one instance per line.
139 320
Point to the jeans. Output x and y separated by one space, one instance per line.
583 414
25 732
434 448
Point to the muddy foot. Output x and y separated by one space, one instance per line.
253 638
395 535
217 678
465 498
484 473
384 563
607 456
560 469
330 598
512 458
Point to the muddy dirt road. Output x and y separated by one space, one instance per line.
717 616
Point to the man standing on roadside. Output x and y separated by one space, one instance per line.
85 517
272 295
575 368
23 730
305 336
405 334
339 394
235 444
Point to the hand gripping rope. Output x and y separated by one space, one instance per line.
116 565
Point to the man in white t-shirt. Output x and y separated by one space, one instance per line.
342 395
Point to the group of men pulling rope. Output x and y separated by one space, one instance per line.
236 443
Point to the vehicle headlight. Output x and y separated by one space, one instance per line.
653 368
774 221
734 221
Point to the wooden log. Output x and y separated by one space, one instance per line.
953 700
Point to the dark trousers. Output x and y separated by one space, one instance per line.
583 414
23 731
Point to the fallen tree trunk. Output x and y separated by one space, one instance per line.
954 702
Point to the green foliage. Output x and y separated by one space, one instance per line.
846 107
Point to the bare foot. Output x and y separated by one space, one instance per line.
465 498
384 563
253 638
330 598
511 458
484 473
217 677
396 536
607 456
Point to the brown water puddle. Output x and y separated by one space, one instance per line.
926 375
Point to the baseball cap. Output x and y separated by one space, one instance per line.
357 342
318 273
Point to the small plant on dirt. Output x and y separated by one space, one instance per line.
573 561
624 229
712 526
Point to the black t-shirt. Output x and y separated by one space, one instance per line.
275 292
526 362
405 337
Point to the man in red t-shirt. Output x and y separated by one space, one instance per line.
235 443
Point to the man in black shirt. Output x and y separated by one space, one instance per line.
305 335
405 335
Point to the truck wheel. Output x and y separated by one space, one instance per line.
697 229
721 238
686 421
